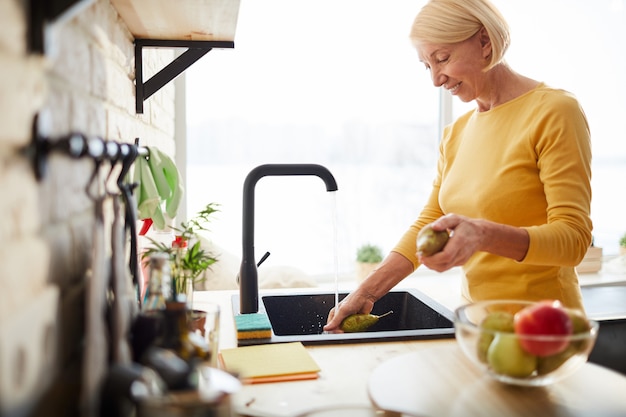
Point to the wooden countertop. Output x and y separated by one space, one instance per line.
347 369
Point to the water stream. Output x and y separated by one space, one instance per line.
333 208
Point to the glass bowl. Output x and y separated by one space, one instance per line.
486 334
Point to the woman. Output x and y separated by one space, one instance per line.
513 176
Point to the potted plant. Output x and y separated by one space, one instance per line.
368 257
622 245
188 259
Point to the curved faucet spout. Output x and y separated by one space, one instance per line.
248 277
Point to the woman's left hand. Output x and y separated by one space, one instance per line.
466 238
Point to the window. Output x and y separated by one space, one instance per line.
338 83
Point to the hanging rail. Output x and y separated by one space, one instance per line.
77 145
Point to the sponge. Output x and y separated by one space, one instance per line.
253 326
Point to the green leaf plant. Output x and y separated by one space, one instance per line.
369 253
189 264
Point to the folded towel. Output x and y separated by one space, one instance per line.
167 179
159 181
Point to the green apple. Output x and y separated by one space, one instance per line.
497 321
507 357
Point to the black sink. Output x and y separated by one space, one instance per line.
607 305
301 317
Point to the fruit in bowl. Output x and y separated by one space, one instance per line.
523 342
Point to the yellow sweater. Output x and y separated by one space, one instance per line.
525 163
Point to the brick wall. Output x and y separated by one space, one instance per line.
83 83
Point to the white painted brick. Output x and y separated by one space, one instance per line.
28 350
88 115
100 66
117 87
13 28
23 271
122 46
121 127
19 202
160 118
111 34
22 91
70 59
56 113
67 184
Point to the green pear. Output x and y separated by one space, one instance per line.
360 322
497 321
580 324
548 364
507 357
430 241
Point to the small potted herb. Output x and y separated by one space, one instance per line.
622 245
188 259
368 257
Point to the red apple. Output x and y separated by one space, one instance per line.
542 321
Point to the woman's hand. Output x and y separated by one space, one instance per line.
465 239
357 302
468 236
361 301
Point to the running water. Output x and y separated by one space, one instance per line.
333 208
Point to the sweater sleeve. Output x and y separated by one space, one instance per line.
563 151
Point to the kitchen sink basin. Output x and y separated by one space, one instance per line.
607 305
301 317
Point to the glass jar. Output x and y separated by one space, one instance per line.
159 284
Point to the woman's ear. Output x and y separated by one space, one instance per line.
485 42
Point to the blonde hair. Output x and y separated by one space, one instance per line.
453 21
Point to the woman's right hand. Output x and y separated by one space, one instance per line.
361 301
356 302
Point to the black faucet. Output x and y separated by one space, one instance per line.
248 278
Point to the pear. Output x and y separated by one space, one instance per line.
360 322
507 357
430 241
580 324
496 321
550 363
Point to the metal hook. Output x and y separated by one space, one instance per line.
128 155
113 155
95 149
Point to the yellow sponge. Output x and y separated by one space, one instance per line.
253 326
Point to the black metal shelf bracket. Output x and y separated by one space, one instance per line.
195 51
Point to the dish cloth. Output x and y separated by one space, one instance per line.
159 181
124 306
96 347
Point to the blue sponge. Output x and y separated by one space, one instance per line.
253 326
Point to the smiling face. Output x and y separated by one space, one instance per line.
459 67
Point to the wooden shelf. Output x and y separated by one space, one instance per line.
190 20
199 25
